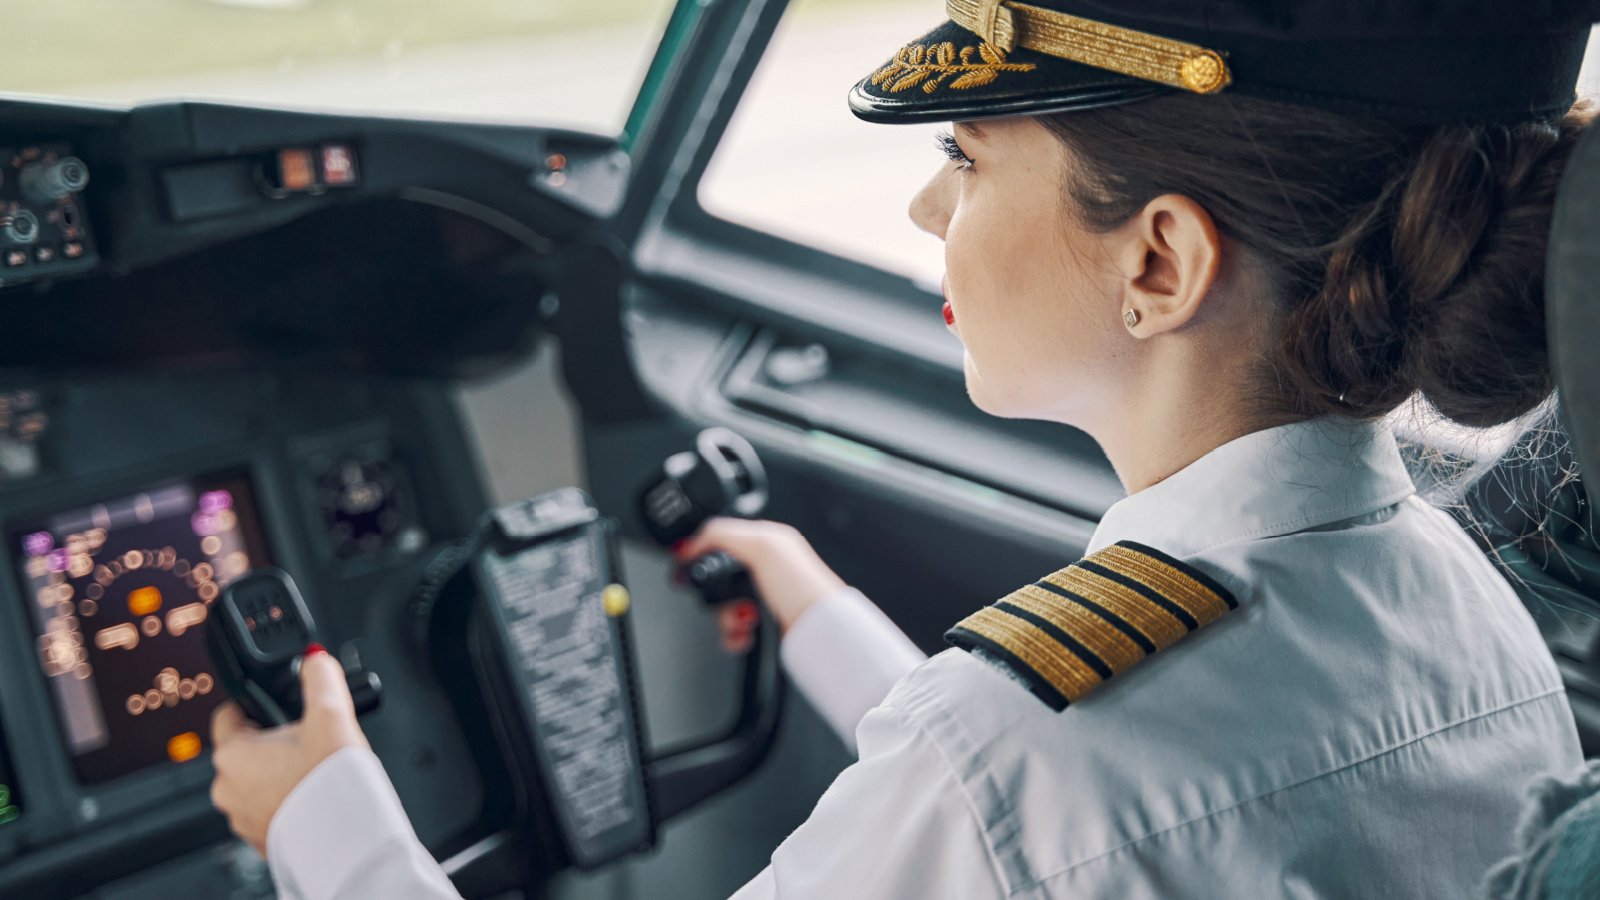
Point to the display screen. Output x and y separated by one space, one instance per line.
367 509
119 593
10 798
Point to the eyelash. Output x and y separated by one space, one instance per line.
947 143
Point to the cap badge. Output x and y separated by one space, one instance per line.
1139 54
932 67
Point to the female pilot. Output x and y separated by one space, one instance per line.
1227 240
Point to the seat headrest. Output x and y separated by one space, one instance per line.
1572 302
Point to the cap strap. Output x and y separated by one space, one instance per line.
992 21
1142 55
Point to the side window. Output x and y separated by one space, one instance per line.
795 163
1589 77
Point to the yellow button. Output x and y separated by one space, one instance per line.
615 599
184 747
144 601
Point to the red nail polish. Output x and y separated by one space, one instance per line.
949 314
678 545
314 649
745 614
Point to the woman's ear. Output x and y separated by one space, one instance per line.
1169 258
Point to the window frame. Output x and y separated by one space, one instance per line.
681 250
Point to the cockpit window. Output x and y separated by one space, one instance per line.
553 62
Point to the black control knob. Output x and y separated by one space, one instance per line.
20 227
720 578
721 476
47 182
256 633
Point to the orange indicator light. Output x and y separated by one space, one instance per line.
297 169
184 747
144 601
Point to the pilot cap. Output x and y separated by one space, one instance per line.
1446 61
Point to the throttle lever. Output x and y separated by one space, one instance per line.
258 628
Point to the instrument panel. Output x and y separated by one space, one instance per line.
10 795
119 593
160 490
251 368
44 230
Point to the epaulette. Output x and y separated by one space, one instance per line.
1065 634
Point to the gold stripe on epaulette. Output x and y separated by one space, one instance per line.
1067 633
1067 672
1113 48
1181 588
1115 648
1160 626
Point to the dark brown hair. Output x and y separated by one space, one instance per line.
1404 258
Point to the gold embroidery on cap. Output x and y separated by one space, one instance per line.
1140 54
932 67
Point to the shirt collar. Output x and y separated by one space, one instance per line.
1268 483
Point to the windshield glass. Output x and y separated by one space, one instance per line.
555 62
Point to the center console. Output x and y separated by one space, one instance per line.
510 723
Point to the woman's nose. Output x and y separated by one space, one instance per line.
931 208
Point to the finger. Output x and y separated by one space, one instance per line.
221 796
733 536
700 543
738 641
740 615
323 688
228 721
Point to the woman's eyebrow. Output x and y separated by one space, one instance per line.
974 128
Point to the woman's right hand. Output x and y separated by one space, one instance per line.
787 572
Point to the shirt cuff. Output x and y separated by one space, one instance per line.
334 823
845 655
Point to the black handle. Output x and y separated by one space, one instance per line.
684 776
365 689
722 475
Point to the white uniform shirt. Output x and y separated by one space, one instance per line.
1363 725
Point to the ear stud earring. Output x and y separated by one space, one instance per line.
1130 317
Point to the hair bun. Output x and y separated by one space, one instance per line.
1469 246
1438 287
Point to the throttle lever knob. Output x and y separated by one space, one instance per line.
721 476
720 578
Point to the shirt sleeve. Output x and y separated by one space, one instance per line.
844 655
342 834
895 826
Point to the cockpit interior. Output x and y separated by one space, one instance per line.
428 364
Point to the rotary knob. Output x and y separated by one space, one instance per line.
20 227
47 182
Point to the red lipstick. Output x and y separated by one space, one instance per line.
949 314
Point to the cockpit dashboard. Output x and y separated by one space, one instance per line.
225 331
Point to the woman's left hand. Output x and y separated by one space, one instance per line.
257 768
